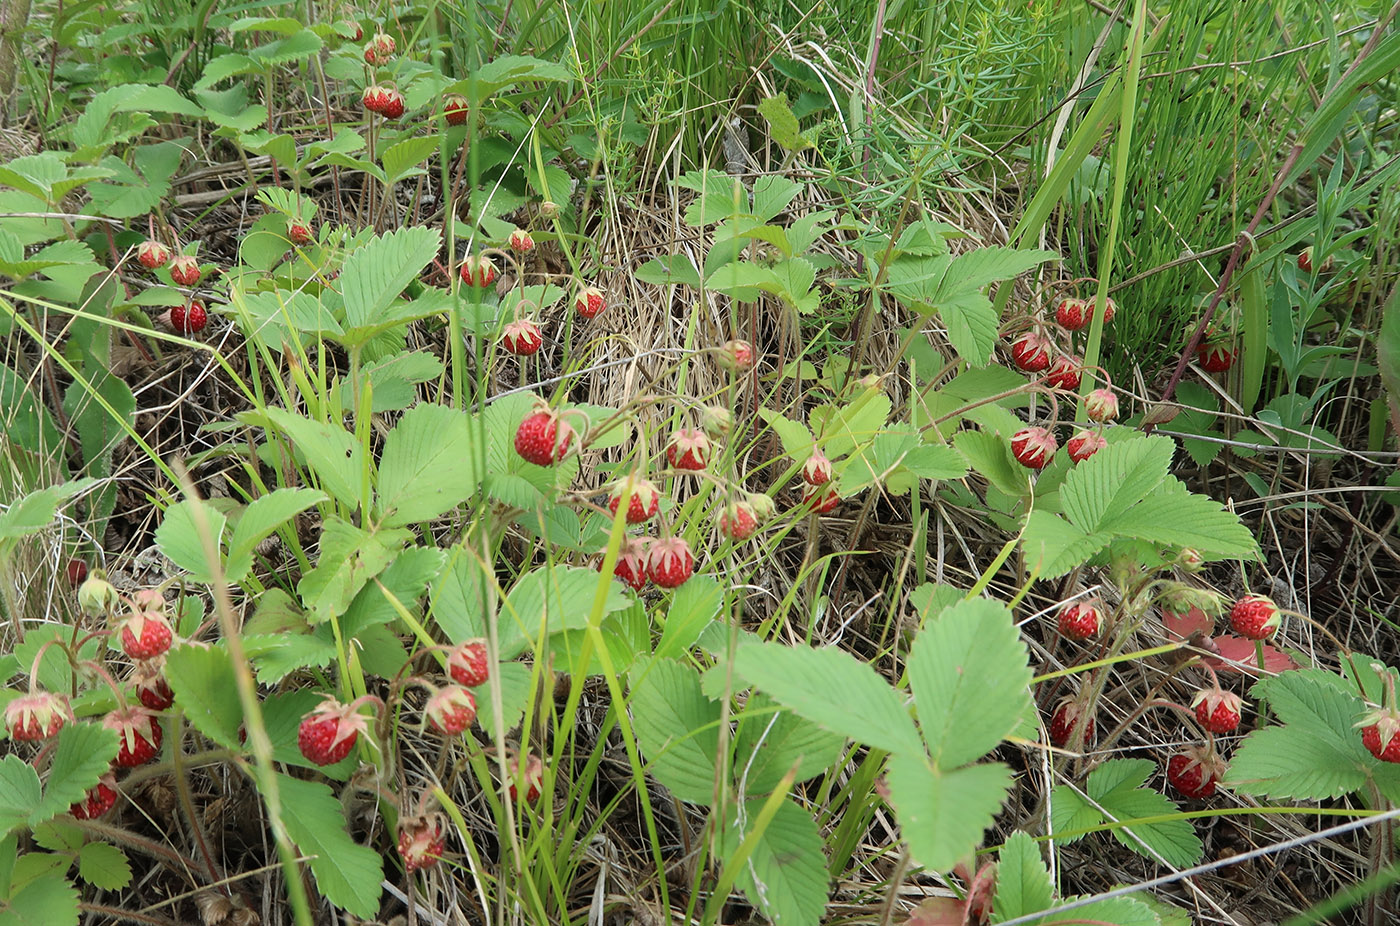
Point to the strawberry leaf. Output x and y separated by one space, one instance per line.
85 751
548 600
428 465
678 728
771 741
1023 881
330 452
833 689
971 681
944 813
104 866
48 899
376 273
263 516
693 607
347 873
19 792
1115 793
179 536
785 876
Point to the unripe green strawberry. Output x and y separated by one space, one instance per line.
549 209
96 596
1101 405
1255 617
763 506
716 421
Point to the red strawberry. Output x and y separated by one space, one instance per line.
1378 734
328 733
152 254
689 449
188 319
138 734
1034 447
631 562
521 337
669 562
37 716
542 438
451 709
185 270
1072 313
1110 308
817 470
1215 356
530 772
1193 773
823 499
1101 405
737 355
520 241
1084 445
738 521
716 421
590 302
1081 620
145 634
1064 373
421 841
99 800
152 690
478 270
392 103
77 572
643 498
469 663
1305 261
299 232
1065 723
1254 617
1218 710
454 107
379 49
1031 352
375 98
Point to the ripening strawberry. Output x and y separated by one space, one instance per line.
643 499
451 710
379 49
1084 444
1215 356
454 107
1190 559
421 841
1110 308
1101 405
1034 447
37 715
100 799
1305 261
478 270
529 770
737 355
1378 734
1065 372
520 241
189 319
738 521
1072 313
689 449
823 499
1217 710
1193 773
138 735
543 438
669 562
590 302
1080 620
1065 723
631 562
1255 617
469 664
152 254
152 690
145 634
816 471
1031 352
185 270
299 232
521 338
328 732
